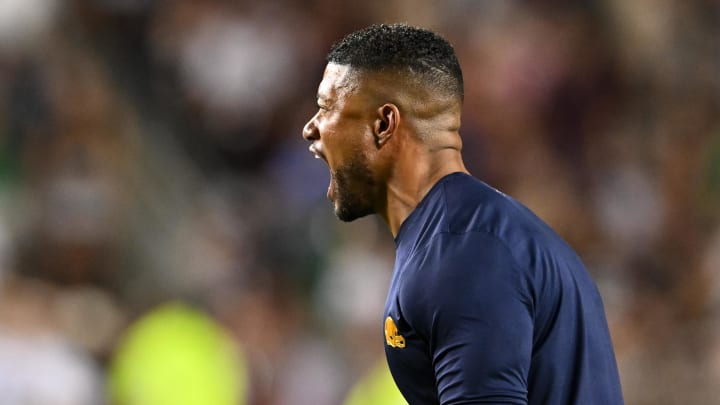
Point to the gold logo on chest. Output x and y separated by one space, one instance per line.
392 338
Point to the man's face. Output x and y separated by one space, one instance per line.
341 134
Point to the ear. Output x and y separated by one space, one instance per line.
386 123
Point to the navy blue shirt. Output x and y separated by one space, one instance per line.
488 305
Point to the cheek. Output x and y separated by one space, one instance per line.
347 143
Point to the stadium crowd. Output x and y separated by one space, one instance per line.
151 152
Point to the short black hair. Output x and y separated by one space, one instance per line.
383 47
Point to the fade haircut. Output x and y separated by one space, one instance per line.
403 49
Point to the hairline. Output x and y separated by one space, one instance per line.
406 74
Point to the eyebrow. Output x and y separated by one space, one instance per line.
323 100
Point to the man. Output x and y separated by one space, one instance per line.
487 305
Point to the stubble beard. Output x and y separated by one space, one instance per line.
354 187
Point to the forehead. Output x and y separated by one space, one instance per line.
337 81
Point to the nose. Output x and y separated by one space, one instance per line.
310 131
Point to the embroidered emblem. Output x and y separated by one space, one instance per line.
392 338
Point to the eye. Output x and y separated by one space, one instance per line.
322 104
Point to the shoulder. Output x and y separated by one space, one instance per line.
471 254
473 206
454 266
459 275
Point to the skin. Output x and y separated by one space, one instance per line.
387 140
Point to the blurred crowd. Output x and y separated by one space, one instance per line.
151 152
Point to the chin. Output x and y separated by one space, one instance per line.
349 213
351 190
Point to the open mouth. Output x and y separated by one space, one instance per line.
317 151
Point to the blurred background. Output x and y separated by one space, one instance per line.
157 199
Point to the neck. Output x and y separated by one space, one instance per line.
417 168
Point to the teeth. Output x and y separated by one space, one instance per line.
314 152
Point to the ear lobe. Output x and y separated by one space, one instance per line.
386 123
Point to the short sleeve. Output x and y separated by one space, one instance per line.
475 311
